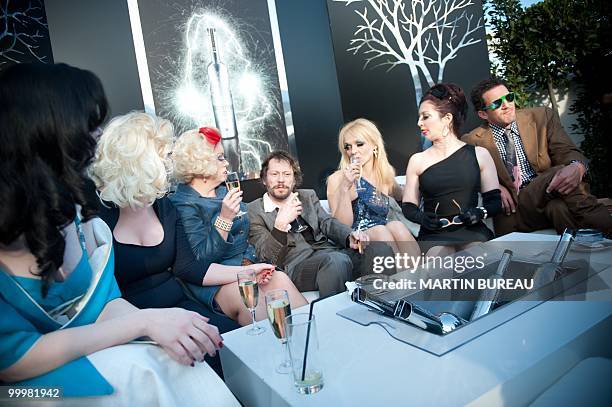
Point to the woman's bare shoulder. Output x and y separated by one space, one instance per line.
334 178
481 151
416 160
483 155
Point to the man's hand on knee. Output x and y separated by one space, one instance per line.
566 179
507 202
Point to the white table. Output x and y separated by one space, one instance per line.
511 364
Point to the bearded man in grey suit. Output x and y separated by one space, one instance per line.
321 257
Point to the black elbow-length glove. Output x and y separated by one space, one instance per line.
491 206
426 220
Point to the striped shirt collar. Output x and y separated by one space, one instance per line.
527 171
499 131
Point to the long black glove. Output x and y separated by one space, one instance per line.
414 214
491 206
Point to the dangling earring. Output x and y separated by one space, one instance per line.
446 131
375 152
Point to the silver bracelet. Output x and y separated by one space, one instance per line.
484 211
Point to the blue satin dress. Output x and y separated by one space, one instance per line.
77 301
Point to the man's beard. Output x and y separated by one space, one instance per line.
281 196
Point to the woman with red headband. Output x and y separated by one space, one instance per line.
215 231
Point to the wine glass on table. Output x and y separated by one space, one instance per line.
249 291
277 305
357 160
233 182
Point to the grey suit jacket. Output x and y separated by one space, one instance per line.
328 232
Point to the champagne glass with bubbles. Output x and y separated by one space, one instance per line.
277 305
357 160
249 291
233 182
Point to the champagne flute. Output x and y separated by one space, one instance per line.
249 291
233 182
357 160
277 304
361 222
298 225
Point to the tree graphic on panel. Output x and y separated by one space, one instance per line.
425 35
24 34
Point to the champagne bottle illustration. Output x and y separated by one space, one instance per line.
223 105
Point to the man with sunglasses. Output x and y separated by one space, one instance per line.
540 169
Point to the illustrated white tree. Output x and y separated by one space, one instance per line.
424 35
22 25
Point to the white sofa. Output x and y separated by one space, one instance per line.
414 229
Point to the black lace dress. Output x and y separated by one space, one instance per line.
449 187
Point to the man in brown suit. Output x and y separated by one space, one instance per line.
540 170
317 258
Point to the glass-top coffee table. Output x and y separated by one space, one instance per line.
363 365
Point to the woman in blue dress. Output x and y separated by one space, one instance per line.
62 316
374 206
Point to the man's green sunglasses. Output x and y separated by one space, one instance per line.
496 104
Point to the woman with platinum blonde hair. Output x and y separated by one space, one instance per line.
131 171
132 163
215 231
362 193
153 260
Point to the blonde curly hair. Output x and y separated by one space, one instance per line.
132 166
193 156
384 173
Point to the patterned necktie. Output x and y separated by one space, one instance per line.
511 161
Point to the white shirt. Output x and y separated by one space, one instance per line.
270 206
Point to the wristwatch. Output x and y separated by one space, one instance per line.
586 166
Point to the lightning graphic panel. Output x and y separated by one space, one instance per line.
215 65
